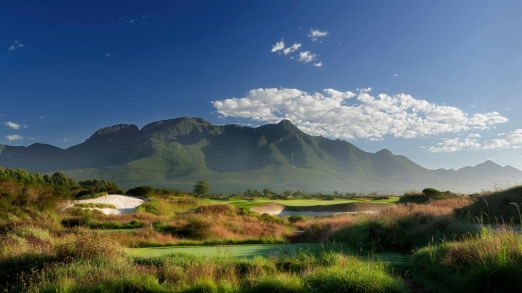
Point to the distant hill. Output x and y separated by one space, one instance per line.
177 152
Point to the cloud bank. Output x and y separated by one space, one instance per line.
349 115
511 141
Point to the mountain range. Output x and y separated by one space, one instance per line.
177 152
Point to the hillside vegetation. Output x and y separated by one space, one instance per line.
178 152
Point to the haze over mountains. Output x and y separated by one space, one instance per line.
177 152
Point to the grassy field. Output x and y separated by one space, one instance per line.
267 251
241 203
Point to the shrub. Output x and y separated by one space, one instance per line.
88 246
91 196
196 228
296 218
223 209
430 192
143 191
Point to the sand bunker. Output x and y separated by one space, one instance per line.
124 203
319 210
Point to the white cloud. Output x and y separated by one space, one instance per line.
395 75
318 64
306 57
501 134
41 117
278 46
315 34
455 144
66 139
14 137
476 135
513 140
337 114
132 21
15 45
13 125
291 49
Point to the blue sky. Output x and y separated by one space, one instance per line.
67 69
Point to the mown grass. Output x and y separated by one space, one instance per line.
242 203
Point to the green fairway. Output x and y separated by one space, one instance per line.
267 250
241 203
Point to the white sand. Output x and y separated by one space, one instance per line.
124 203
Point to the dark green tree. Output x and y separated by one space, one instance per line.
48 179
430 192
201 187
60 179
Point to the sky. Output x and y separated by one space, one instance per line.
438 81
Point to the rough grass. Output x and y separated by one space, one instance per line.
495 207
91 196
167 206
223 209
490 261
402 228
95 205
327 272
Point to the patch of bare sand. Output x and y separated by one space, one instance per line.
124 203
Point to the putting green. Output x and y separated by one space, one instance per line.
241 203
267 250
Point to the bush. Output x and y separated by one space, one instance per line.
222 209
89 246
143 191
196 228
296 218
430 192
91 196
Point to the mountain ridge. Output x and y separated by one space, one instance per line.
176 152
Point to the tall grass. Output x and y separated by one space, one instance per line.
490 261
495 207
402 228
327 272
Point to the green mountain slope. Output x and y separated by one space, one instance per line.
177 152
